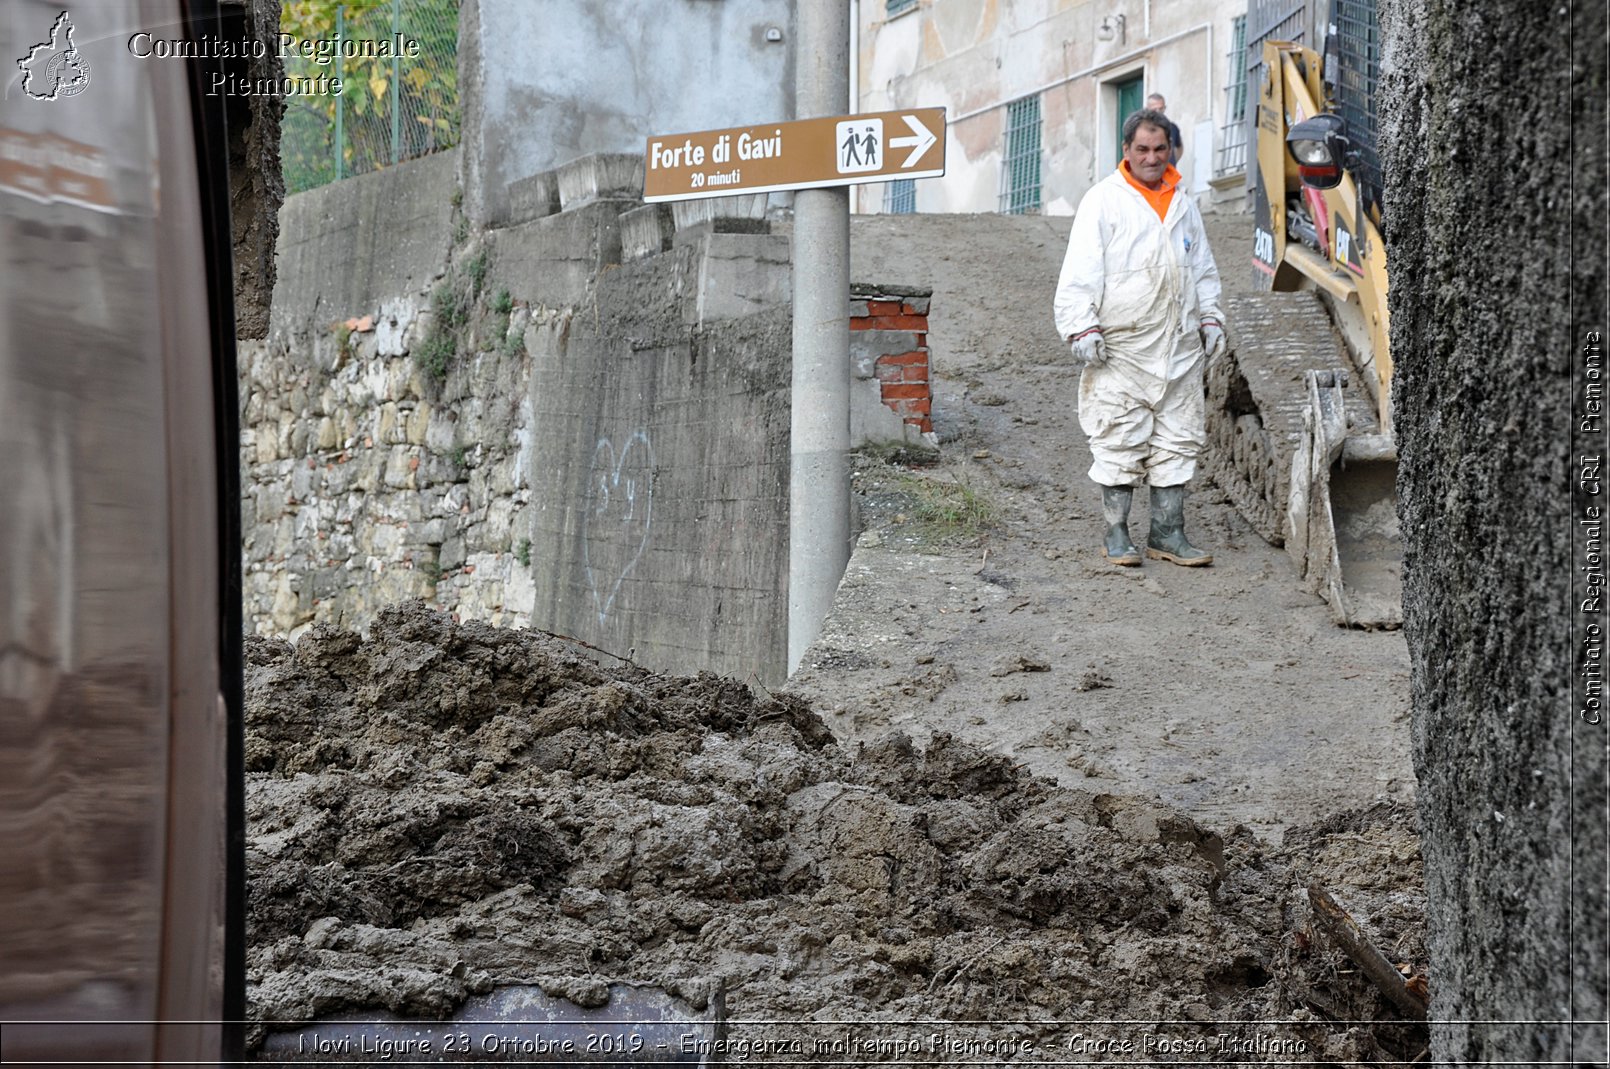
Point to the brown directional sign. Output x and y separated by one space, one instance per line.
839 150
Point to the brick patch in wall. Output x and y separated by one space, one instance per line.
902 372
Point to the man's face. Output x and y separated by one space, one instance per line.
1147 154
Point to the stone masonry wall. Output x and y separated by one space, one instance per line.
369 480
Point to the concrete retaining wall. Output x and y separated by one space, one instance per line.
661 496
345 247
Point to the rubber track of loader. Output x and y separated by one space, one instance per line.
1256 398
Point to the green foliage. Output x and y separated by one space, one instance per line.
434 355
513 342
522 552
450 310
458 456
475 270
426 88
431 566
450 306
343 341
503 304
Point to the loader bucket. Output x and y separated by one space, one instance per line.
1343 524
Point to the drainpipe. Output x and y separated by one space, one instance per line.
855 89
855 58
819 442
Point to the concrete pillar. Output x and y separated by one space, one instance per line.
819 474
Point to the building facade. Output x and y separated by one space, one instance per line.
1036 92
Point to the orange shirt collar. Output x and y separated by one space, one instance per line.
1158 198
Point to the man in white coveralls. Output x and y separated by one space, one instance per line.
1138 301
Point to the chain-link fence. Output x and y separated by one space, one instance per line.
397 61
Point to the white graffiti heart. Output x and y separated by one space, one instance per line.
619 511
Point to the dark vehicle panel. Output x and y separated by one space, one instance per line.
114 725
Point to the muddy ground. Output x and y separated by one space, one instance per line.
443 808
1226 691
1010 785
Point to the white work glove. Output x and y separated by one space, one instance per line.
1089 348
1213 339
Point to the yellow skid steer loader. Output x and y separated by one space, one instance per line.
1300 417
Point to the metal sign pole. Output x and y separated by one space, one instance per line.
819 472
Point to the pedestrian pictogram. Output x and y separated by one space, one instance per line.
859 141
836 151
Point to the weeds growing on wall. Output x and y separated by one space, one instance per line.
431 566
450 305
343 342
453 304
450 311
475 271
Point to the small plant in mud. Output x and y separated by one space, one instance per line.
945 511
955 507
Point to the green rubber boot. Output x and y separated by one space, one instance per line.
1118 547
1167 538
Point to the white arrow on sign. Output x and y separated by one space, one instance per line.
922 139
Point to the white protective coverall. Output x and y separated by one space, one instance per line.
1148 283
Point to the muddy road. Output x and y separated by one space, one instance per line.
440 810
1015 797
1225 691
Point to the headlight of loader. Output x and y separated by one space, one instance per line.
1319 145
1312 153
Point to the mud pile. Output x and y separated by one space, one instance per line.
443 808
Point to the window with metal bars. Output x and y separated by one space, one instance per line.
1233 134
1020 179
1238 69
900 196
1357 27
